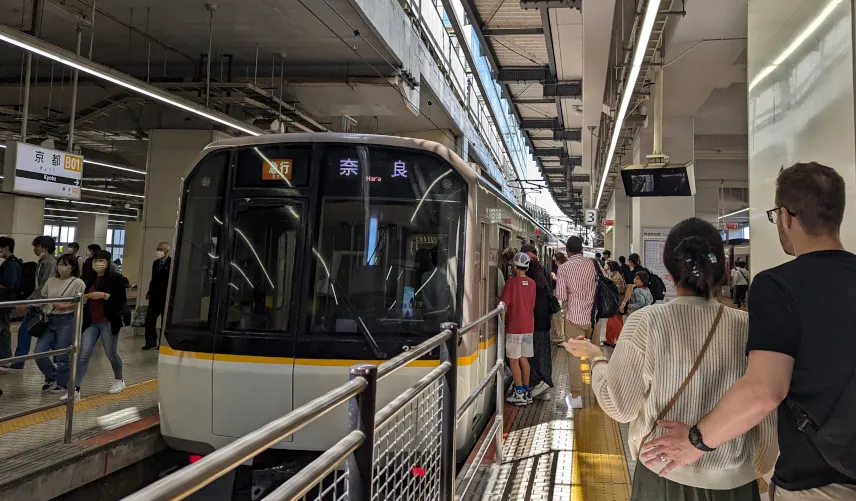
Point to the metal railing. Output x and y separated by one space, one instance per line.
71 351
406 450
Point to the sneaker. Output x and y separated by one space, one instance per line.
59 389
117 387
539 389
545 396
148 347
48 386
529 399
64 396
575 403
517 398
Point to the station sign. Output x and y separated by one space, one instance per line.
33 170
494 215
591 217
732 226
609 222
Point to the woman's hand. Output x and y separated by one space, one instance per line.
582 348
98 295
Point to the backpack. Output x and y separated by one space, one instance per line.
28 279
835 438
656 286
606 296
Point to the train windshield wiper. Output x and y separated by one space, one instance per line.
361 326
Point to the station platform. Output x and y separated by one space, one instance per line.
33 458
554 452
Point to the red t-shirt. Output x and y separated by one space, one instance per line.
519 298
96 307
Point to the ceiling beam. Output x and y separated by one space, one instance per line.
550 152
498 32
574 161
568 135
539 123
533 100
563 89
551 4
523 74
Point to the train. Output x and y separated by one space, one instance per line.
299 255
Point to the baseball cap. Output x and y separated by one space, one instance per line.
521 260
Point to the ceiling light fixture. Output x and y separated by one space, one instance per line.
109 166
638 56
794 45
734 213
91 212
96 190
33 44
77 202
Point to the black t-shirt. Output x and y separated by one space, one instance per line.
806 308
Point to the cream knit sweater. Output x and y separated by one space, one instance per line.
655 352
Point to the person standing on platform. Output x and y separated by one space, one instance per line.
575 285
74 249
801 350
641 296
677 359
156 294
519 299
102 318
616 322
626 271
557 332
634 262
541 363
10 283
43 247
740 280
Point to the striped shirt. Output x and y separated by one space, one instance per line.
575 284
655 352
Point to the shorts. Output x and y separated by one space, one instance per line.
519 345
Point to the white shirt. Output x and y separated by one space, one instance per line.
739 276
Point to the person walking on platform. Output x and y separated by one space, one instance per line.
156 294
519 299
541 363
677 359
60 323
10 283
801 350
575 285
43 247
102 318
740 280
557 332
616 322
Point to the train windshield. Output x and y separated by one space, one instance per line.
387 251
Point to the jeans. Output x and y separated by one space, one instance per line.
5 333
24 338
87 346
154 311
60 334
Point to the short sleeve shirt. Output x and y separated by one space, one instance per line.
519 299
804 311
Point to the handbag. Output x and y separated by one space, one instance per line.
606 296
553 304
687 379
38 325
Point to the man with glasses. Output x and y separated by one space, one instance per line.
802 348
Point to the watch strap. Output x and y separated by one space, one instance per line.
698 441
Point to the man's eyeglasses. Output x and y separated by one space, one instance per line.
773 214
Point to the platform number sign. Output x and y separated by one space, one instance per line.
39 171
590 217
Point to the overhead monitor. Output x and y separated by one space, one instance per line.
655 181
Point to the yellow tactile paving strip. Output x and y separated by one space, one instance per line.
599 471
80 406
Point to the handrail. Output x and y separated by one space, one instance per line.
360 392
71 350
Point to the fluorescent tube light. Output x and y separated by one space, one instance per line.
734 213
27 42
91 212
77 202
116 193
638 56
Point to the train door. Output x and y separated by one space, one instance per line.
486 300
255 345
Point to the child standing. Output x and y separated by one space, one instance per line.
641 296
519 299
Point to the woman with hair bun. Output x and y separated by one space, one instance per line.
689 352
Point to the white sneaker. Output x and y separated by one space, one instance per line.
117 387
545 396
517 398
539 390
575 403
64 396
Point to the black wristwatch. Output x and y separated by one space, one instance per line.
696 440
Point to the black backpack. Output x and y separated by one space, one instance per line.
656 286
28 279
607 299
835 438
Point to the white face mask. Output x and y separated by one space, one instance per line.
160 254
100 266
63 269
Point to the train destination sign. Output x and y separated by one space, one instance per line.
34 170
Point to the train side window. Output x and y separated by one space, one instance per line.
261 269
201 227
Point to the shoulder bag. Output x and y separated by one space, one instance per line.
38 324
606 296
687 379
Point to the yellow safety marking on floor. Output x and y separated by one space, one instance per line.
599 471
81 405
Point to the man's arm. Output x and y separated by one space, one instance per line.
561 284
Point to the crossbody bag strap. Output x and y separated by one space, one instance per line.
692 372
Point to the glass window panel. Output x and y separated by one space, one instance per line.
63 235
47 230
110 236
120 234
387 253
199 245
72 232
261 270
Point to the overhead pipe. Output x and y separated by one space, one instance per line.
73 110
658 111
35 27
